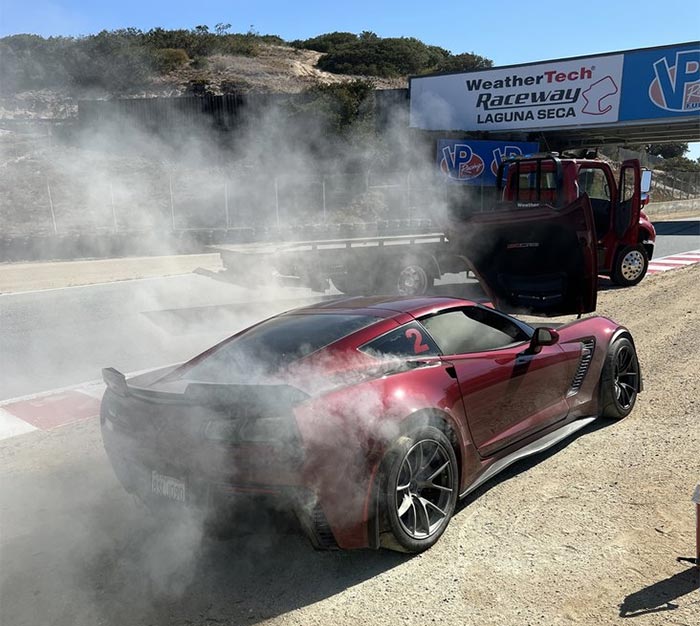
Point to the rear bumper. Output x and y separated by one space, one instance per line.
218 498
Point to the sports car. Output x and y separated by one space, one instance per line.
367 417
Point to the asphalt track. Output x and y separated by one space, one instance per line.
61 337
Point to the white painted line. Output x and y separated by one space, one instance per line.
11 426
675 262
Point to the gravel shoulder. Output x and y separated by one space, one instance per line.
586 534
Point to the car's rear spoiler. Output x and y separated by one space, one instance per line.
273 396
115 380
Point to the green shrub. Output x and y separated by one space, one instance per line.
325 43
680 164
112 60
200 63
383 57
168 59
465 62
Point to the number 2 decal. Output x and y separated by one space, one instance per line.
418 345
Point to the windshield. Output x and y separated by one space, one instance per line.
272 345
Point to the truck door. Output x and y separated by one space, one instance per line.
629 199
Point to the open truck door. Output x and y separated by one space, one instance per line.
530 255
629 202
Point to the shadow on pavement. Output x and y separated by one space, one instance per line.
681 227
660 595
78 551
263 572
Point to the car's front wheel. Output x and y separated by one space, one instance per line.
419 490
620 380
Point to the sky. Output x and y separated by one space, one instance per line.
506 32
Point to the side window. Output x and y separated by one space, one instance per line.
473 329
594 182
627 186
409 340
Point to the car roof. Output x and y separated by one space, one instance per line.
384 306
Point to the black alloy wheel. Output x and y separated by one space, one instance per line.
620 380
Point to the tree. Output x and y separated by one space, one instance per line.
464 62
668 150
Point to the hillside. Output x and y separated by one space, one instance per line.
276 68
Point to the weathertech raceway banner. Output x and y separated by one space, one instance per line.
476 162
649 84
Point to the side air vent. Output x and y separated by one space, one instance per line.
587 346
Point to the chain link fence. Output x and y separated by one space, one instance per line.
42 203
49 189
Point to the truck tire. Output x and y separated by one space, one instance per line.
410 278
630 266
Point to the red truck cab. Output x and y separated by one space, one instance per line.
625 236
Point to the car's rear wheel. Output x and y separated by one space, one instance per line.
419 490
630 266
620 379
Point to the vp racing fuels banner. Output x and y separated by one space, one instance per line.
654 83
476 162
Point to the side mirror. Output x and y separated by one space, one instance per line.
542 337
646 181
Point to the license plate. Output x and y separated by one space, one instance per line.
168 487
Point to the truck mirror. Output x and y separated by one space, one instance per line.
646 181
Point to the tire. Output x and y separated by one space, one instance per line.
415 515
620 380
410 278
630 266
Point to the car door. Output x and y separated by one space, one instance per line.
508 394
533 258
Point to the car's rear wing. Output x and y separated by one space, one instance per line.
116 381
272 397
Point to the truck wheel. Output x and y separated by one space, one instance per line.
630 266
408 279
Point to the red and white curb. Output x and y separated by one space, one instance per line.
51 409
674 261
55 408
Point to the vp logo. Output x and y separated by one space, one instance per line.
461 162
677 88
502 154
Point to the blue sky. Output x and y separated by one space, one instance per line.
507 32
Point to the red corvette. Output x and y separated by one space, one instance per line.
369 417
